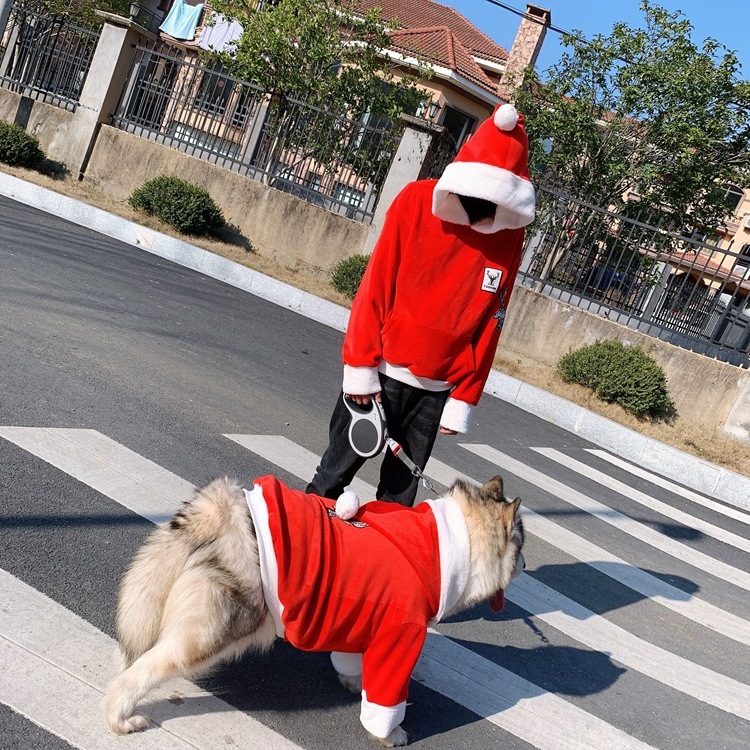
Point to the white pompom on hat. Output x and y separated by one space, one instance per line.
493 165
505 117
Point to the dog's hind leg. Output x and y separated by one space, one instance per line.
202 622
157 665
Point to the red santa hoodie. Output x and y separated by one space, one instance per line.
366 588
432 302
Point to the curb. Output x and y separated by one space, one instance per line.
650 454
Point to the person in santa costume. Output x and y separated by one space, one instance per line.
426 319
366 589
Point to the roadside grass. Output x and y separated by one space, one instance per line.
681 433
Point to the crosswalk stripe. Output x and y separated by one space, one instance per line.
647 501
599 634
637 530
684 492
505 699
693 608
110 468
54 667
569 617
513 703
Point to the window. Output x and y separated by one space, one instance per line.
349 197
213 93
743 259
458 125
733 196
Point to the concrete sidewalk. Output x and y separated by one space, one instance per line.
659 458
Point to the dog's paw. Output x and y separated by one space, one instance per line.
397 738
352 683
133 723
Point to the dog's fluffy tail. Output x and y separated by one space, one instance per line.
216 512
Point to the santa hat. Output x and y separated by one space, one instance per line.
494 165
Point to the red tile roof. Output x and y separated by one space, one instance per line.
421 14
438 45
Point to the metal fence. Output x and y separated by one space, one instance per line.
680 289
328 159
46 56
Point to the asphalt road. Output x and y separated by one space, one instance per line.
630 628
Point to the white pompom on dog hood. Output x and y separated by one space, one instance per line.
494 165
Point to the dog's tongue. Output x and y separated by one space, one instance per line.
497 601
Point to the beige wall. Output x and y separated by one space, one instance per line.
540 330
48 123
295 233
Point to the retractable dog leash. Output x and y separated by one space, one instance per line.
368 436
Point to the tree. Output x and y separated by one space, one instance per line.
320 50
87 10
643 110
325 54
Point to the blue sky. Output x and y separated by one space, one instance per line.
727 21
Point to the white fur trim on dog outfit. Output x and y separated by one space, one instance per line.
380 720
269 571
347 505
453 539
349 665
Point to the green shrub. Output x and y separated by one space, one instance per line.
18 148
347 275
186 207
620 374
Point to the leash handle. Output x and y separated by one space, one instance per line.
397 450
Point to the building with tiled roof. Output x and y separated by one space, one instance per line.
467 67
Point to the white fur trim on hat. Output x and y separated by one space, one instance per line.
347 505
506 117
456 415
361 381
513 195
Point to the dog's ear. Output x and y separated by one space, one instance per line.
508 513
514 506
494 488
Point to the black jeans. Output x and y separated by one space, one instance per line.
413 419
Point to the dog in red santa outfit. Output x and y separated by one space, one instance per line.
235 569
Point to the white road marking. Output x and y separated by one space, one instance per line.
513 703
638 530
664 509
651 587
54 667
505 707
688 494
110 468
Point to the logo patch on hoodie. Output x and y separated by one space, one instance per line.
491 281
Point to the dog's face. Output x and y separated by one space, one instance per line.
496 536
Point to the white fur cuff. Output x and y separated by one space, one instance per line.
456 415
361 381
380 720
349 665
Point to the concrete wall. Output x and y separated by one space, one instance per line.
294 233
48 123
540 330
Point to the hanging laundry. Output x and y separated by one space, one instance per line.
220 36
182 20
